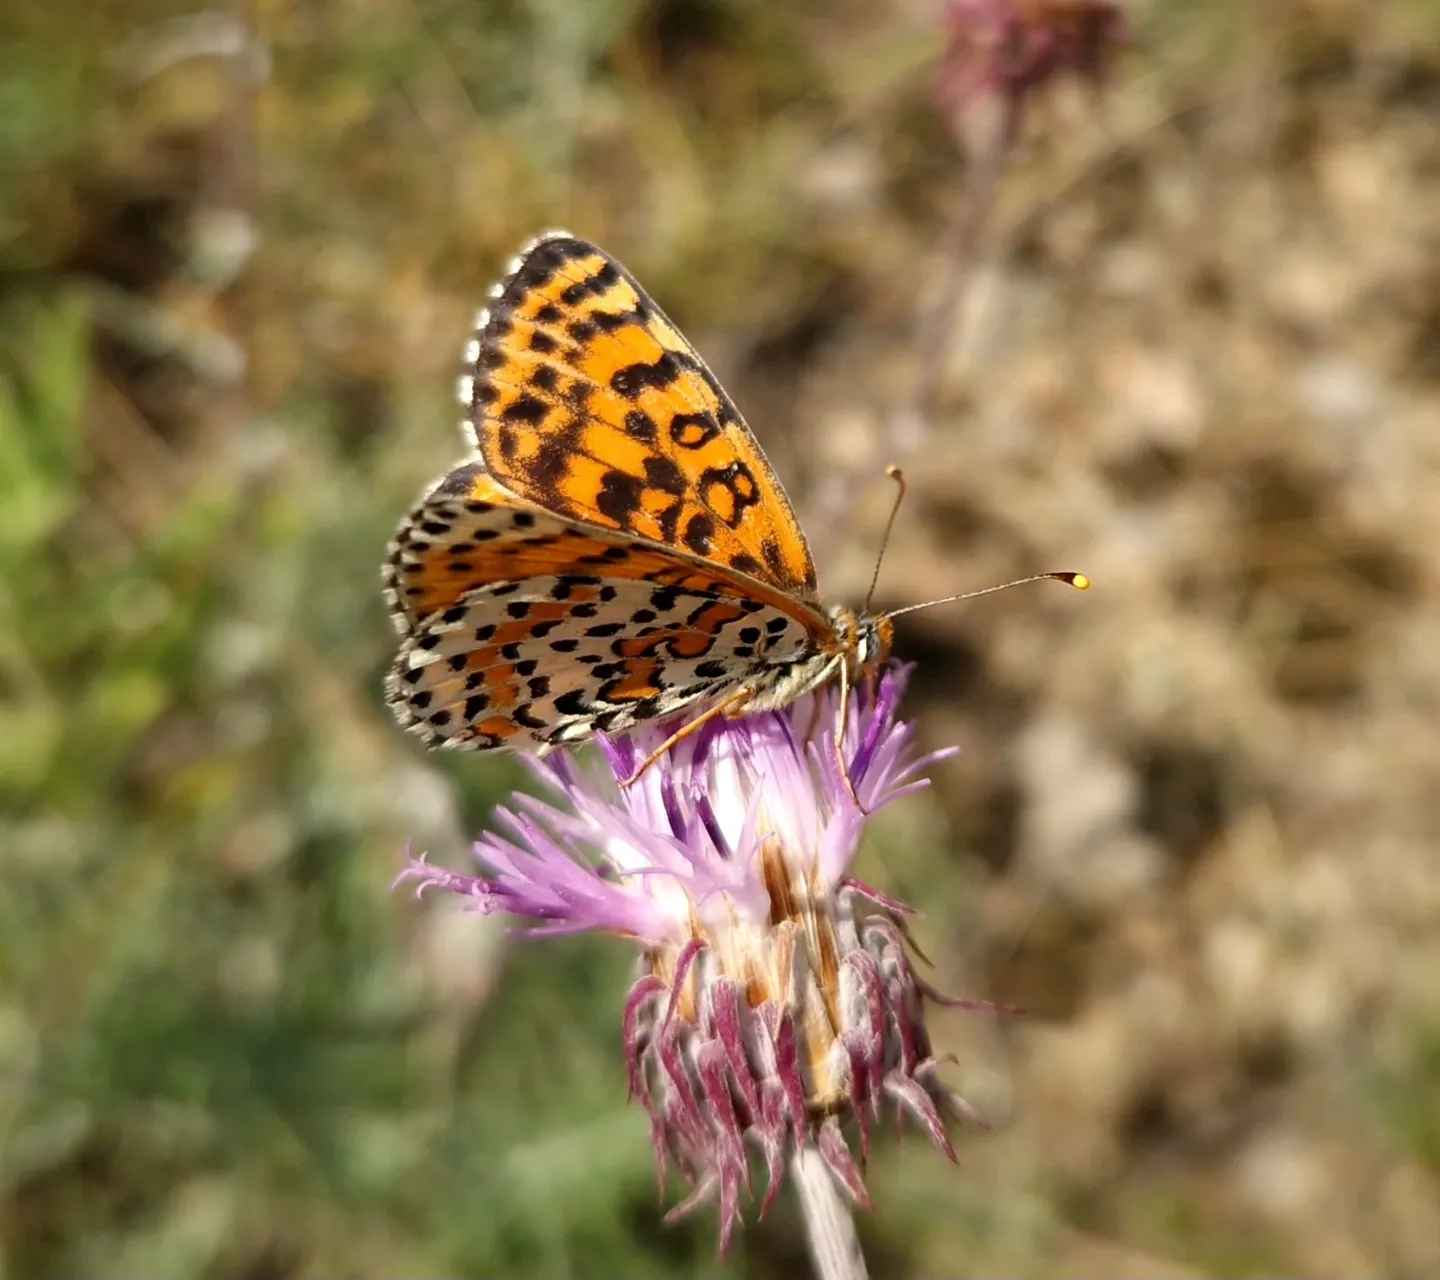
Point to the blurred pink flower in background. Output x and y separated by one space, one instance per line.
1011 48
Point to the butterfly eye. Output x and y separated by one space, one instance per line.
868 645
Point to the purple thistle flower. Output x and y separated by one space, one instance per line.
775 996
1014 47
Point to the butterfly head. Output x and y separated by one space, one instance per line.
865 638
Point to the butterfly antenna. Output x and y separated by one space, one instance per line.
898 476
1077 580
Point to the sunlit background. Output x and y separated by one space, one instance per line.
1195 826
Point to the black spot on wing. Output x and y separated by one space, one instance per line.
660 373
577 395
551 465
692 430
640 426
598 282
664 474
670 520
734 480
614 321
699 530
620 497
770 549
572 703
530 410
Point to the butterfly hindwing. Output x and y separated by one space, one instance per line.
522 628
548 671
464 531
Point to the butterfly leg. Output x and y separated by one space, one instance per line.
840 739
725 706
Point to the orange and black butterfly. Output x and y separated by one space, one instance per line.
618 548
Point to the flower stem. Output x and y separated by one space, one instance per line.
963 251
829 1219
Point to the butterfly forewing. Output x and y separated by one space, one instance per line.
587 402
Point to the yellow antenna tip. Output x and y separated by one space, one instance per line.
1080 582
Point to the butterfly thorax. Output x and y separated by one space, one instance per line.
859 642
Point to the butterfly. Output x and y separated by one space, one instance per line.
617 548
